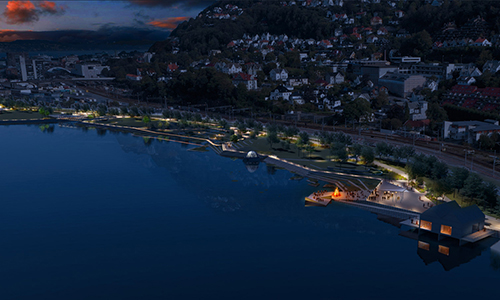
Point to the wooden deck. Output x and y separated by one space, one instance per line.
478 235
408 222
322 200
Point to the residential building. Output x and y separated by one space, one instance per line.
232 68
491 66
418 110
133 77
297 98
469 131
253 68
297 81
450 220
248 80
470 96
376 21
334 78
280 92
278 74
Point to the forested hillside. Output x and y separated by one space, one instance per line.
204 33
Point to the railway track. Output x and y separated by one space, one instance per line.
452 154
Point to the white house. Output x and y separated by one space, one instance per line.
418 110
278 74
280 92
297 98
466 80
492 66
334 78
482 42
248 80
232 68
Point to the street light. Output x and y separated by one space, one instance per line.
494 163
465 158
470 152
472 159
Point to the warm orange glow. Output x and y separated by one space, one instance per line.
446 229
170 23
18 12
426 225
444 250
336 193
423 245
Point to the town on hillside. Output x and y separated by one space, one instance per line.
421 69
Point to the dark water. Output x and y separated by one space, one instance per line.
104 216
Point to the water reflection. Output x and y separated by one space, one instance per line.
47 128
447 252
252 167
269 192
495 258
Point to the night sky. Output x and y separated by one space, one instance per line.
68 21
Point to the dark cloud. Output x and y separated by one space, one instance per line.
19 12
140 18
185 4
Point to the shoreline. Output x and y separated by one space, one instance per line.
221 149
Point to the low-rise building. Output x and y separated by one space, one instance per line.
401 84
248 80
450 220
469 131
280 92
334 78
88 70
133 77
278 74
418 110
297 81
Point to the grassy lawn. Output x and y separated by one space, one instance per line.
131 122
397 166
319 158
19 115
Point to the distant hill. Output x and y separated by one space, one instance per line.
106 38
43 46
207 32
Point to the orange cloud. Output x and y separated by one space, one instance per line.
170 23
17 12
48 6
